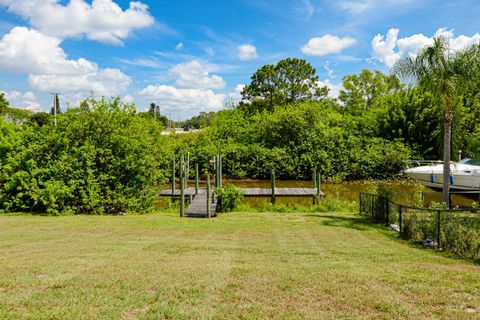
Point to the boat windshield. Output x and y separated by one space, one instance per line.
469 161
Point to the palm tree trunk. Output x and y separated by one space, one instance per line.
447 137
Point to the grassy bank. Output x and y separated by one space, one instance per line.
239 265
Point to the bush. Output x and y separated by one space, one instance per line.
100 158
229 197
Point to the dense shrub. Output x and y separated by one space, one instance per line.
100 158
229 197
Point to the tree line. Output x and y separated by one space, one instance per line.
105 157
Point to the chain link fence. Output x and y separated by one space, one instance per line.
454 230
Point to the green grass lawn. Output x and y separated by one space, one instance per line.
239 265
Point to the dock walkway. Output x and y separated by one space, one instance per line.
198 205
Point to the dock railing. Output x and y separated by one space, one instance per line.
454 230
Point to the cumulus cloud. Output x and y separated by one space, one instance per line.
100 20
128 99
103 82
172 98
27 100
28 51
247 52
196 75
389 49
333 87
236 95
327 44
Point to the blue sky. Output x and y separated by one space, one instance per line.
192 56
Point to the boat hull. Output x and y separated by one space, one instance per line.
432 177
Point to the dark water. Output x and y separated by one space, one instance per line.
349 191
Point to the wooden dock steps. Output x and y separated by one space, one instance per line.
198 206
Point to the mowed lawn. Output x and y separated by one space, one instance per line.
239 265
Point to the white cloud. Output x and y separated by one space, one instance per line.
330 71
26 100
237 93
100 20
172 98
29 51
179 46
103 82
247 52
196 75
390 49
334 88
327 44
128 99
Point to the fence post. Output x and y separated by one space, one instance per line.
400 213
361 202
438 229
273 186
209 214
387 211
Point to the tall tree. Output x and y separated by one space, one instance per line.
291 80
154 110
296 79
263 86
362 92
445 73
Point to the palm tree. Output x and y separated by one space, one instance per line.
444 72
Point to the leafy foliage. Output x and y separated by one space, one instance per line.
229 197
104 159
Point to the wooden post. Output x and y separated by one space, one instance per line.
314 178
220 168
319 179
209 214
273 186
196 178
182 189
439 230
216 170
187 170
173 176
319 187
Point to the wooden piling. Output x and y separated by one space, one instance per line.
196 178
182 188
220 169
318 187
314 175
209 213
173 176
273 186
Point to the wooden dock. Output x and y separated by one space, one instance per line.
198 205
252 192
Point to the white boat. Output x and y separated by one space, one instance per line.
464 175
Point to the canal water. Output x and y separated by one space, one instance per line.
348 191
